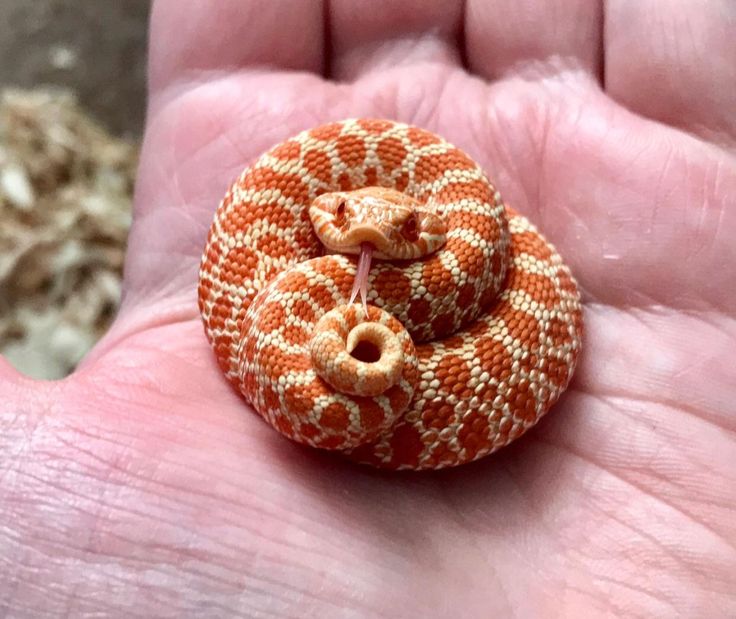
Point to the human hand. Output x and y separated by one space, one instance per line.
142 485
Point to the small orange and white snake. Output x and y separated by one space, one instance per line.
473 323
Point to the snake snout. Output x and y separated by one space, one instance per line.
399 226
365 232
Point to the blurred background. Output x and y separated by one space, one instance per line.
72 107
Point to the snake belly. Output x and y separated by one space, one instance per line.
492 322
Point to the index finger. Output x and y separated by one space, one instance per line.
188 38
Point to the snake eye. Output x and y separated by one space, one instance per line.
340 212
410 229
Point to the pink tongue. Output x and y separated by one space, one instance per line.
361 277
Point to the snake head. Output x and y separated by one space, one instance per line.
396 225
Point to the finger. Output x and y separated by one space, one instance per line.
646 219
508 36
675 61
201 35
368 35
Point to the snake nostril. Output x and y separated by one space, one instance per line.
366 351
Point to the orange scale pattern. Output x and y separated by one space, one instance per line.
490 325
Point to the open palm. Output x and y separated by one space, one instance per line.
142 485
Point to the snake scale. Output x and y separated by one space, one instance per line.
469 325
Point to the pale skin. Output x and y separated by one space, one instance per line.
143 486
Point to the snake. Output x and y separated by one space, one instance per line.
367 291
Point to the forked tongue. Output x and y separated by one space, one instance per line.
361 276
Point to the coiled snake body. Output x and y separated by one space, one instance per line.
473 322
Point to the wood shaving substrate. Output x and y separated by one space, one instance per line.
65 209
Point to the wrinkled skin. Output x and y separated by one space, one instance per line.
141 485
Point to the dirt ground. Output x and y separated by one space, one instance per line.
72 105
97 48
